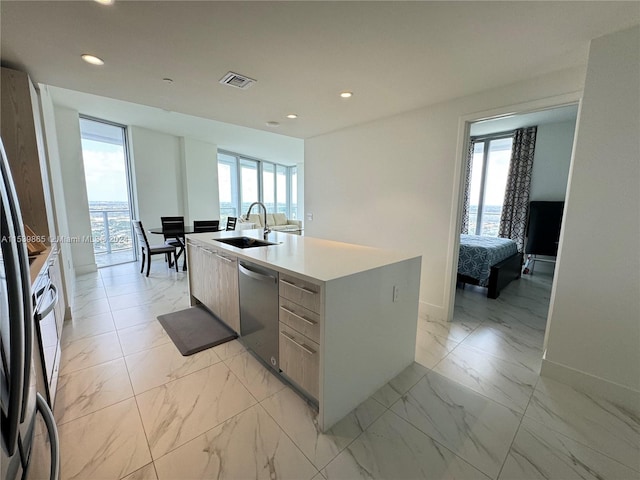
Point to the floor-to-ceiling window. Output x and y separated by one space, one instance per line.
228 186
489 171
106 169
268 186
243 180
249 183
282 192
293 188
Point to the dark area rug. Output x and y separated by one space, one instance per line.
195 329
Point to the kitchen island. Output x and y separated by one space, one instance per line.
347 313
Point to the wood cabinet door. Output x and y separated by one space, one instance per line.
228 290
210 296
22 139
213 280
196 272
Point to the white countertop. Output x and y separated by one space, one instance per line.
314 258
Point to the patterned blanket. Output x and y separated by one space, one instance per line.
478 254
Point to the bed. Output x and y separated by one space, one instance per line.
490 262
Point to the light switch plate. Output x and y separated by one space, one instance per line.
396 293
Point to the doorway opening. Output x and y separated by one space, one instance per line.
512 327
107 179
507 333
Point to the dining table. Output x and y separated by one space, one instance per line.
158 230
187 229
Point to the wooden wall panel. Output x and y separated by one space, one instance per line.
19 136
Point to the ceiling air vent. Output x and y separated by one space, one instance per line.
237 80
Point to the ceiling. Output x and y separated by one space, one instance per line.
247 141
394 56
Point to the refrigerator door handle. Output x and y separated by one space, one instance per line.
54 440
28 324
16 331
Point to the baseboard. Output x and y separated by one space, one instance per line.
89 268
614 392
433 311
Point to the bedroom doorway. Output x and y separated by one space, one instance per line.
511 328
494 147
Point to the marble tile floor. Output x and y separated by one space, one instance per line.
473 406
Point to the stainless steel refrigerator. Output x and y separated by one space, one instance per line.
29 444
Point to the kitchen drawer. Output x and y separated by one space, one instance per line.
301 319
301 292
300 360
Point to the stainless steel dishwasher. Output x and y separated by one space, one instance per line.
259 311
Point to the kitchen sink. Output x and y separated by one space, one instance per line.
245 242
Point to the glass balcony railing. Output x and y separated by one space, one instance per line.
111 230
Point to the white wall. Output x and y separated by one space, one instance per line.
390 183
156 160
75 191
554 144
593 333
200 180
57 192
173 176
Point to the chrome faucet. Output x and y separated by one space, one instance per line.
267 230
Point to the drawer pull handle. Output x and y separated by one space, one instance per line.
223 258
310 322
301 345
304 289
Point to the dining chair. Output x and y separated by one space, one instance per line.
231 223
173 232
200 226
149 250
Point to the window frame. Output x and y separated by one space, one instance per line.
129 172
236 190
235 182
486 140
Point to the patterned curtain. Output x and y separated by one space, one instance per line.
467 188
516 197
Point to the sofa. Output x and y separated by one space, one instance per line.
276 222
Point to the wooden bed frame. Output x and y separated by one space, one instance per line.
501 275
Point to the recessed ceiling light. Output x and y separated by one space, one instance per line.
346 94
105 2
92 59
292 115
273 124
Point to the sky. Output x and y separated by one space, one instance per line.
104 169
497 171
